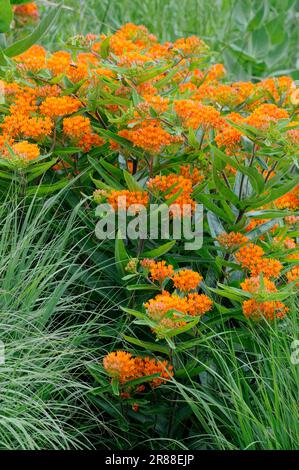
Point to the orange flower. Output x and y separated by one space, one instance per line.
158 307
149 136
120 365
28 10
194 114
24 151
192 174
59 62
249 254
293 275
33 60
59 106
169 186
231 240
198 304
287 242
123 366
153 366
189 46
123 199
186 280
76 126
159 271
253 285
289 201
270 309
264 114
267 266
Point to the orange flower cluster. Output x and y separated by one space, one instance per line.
249 254
228 136
189 46
24 152
159 270
168 310
79 129
59 106
251 257
125 199
254 285
27 11
171 185
289 201
264 114
293 274
149 135
194 114
269 310
231 240
124 367
186 280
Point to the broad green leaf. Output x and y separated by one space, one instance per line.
146 345
121 255
132 184
6 15
23 44
161 250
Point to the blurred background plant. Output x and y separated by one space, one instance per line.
254 38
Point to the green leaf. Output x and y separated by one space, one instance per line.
142 287
182 329
109 180
133 185
115 386
105 47
121 255
6 15
43 189
23 44
146 345
135 313
19 2
161 250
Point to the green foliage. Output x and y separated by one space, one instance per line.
254 37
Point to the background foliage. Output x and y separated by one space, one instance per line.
254 38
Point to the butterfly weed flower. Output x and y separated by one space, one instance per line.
249 255
120 365
198 304
123 199
254 285
160 271
24 151
269 309
186 280
231 240
59 106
